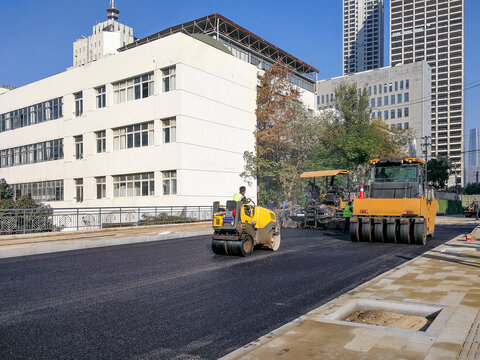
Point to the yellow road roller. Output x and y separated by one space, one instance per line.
240 227
398 206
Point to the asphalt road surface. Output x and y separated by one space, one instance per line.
175 299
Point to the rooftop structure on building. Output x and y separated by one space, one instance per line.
434 31
242 44
151 125
106 38
394 94
362 35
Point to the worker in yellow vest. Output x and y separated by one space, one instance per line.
240 196
347 214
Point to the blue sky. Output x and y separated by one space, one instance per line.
38 35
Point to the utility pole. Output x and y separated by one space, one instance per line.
476 177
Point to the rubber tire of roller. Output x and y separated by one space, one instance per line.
354 233
219 247
391 233
366 231
405 233
419 234
379 232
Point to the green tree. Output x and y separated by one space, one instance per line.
351 137
286 135
438 171
6 192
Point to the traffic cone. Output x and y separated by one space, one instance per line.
468 237
362 192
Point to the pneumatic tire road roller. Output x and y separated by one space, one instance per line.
400 207
239 227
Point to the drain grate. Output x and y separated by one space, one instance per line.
471 346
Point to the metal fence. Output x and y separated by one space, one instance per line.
22 221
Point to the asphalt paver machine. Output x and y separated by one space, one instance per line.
326 197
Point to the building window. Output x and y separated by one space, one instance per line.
369 91
169 182
380 88
405 125
406 112
390 87
399 98
101 187
379 114
134 185
385 100
396 85
168 79
30 115
392 127
131 136
101 96
135 88
78 103
385 114
101 141
169 130
79 147
323 99
392 114
407 84
40 191
401 84
407 97
392 100
78 190
379 101
32 153
374 89
372 103
399 113
384 88
399 126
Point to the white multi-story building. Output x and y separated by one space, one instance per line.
165 121
396 95
362 35
434 31
106 38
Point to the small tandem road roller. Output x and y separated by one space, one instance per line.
399 206
239 227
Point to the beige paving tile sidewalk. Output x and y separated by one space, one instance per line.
447 277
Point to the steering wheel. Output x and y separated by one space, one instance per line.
248 200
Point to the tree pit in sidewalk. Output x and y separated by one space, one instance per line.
390 319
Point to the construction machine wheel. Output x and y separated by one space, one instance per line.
247 245
242 247
274 242
354 231
379 232
392 233
419 234
405 233
219 247
366 231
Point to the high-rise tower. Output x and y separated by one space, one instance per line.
434 30
106 38
362 35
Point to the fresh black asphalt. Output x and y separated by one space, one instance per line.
175 299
